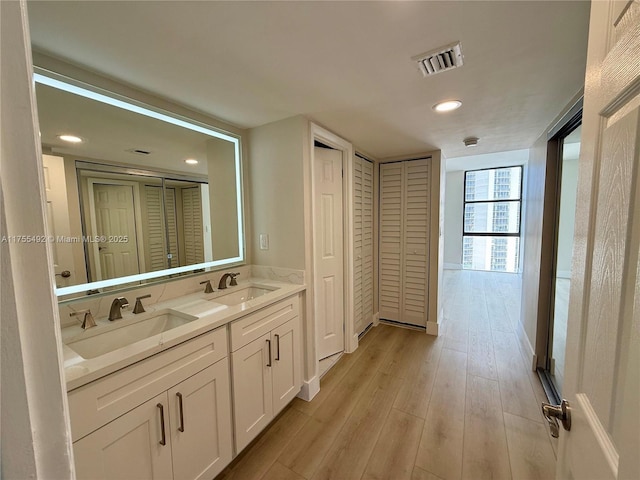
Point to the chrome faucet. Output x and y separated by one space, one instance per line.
87 319
117 305
223 280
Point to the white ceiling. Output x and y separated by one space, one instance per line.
346 65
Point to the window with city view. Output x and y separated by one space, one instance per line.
491 233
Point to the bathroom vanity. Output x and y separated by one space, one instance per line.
179 390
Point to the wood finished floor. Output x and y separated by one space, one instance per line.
406 405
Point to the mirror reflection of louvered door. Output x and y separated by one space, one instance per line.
363 243
404 241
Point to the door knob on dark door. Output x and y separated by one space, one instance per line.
553 413
64 274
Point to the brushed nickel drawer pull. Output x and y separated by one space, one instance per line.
277 347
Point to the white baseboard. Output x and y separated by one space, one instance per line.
452 266
376 319
432 328
523 339
309 389
564 274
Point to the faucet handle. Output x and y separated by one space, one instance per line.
208 288
139 308
87 319
233 279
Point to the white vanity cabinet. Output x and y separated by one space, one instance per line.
266 366
182 428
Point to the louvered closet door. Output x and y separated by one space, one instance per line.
154 223
391 228
358 317
367 242
416 243
404 247
363 243
192 224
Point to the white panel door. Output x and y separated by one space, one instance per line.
200 420
55 186
328 251
115 217
603 341
132 447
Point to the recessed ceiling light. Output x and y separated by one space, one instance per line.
191 161
471 141
447 106
70 138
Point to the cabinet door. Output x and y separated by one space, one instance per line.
129 447
252 400
286 374
200 419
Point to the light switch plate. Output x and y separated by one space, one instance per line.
264 241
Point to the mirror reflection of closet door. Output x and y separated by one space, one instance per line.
115 224
563 253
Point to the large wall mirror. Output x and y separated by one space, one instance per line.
133 193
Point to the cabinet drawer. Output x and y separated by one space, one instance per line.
97 403
253 326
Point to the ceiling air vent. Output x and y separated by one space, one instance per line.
440 60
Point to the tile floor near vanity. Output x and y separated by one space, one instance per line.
409 406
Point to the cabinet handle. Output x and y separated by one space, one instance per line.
278 347
164 435
269 345
181 427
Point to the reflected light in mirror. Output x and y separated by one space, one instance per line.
70 138
49 80
191 161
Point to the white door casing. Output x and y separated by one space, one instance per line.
603 338
58 219
328 251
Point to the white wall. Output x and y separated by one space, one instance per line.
276 186
567 216
453 205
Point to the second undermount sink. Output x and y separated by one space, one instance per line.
242 294
119 336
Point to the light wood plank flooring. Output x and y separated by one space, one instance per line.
409 406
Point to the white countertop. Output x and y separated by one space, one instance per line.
208 315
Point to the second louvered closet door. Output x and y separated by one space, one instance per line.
404 241
363 243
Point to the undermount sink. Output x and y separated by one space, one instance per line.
243 294
120 336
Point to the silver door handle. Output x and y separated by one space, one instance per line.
553 413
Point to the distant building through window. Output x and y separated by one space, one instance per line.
491 232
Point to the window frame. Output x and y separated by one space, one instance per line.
501 200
